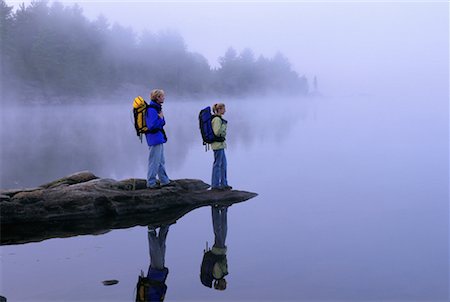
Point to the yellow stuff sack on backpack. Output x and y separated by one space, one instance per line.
139 110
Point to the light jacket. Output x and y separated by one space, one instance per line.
220 268
154 123
220 129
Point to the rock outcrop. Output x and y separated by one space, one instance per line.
82 203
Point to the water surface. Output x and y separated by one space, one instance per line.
352 205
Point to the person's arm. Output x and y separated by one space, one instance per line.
153 120
216 125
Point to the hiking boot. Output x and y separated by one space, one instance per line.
154 187
151 228
227 188
217 189
169 184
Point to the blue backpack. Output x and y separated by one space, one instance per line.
205 117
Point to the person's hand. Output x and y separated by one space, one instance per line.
161 114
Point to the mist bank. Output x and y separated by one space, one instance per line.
55 52
102 138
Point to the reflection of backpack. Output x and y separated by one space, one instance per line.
139 110
206 270
205 117
148 290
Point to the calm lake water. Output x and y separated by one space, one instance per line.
352 205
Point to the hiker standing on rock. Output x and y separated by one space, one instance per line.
156 137
219 172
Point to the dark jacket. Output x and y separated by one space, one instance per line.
158 289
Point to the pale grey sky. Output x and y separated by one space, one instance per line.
352 47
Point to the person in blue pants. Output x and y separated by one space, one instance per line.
219 172
156 138
214 265
153 287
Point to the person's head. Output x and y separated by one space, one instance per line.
157 95
219 108
220 284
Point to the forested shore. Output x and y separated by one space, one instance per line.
54 51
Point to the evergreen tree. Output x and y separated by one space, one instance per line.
6 24
54 51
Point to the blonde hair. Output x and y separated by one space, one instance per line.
156 93
217 106
220 284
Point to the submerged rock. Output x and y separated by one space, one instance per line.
110 282
82 203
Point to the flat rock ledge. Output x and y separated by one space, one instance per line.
82 203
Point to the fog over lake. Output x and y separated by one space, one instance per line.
352 179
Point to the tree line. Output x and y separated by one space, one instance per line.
54 50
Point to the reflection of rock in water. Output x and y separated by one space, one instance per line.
83 204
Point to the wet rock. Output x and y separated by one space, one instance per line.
4 197
110 282
82 203
75 178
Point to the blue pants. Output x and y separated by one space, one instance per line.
157 246
220 226
156 166
219 172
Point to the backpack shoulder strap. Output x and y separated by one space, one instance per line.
153 106
214 116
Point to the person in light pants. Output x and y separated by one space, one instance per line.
156 138
220 226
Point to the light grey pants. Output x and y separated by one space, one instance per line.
219 219
157 246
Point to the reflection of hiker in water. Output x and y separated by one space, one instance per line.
153 287
214 265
